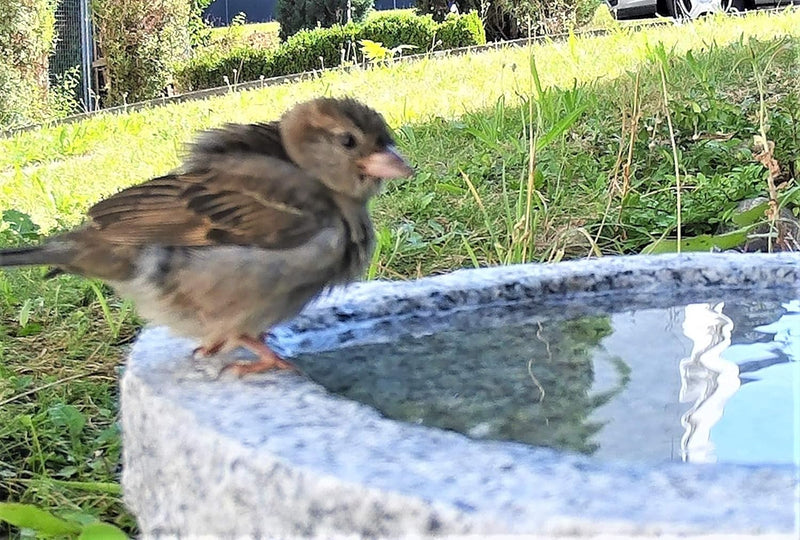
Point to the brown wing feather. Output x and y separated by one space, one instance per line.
231 139
258 201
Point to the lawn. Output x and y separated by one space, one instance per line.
562 150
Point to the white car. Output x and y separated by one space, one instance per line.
627 9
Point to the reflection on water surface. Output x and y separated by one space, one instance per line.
715 381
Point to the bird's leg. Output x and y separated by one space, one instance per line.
267 359
204 351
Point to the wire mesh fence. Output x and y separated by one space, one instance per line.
70 63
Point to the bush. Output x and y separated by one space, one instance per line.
401 29
141 41
508 19
461 31
27 34
239 33
199 30
327 47
296 15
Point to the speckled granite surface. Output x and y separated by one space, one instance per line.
275 455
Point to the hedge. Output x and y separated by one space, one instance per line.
327 47
27 33
141 41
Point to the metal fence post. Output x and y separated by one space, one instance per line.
86 52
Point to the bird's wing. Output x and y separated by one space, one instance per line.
259 201
243 139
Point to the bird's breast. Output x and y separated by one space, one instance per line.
359 247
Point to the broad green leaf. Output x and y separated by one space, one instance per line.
703 242
30 329
63 415
21 224
102 531
80 518
748 217
30 517
560 127
25 312
537 83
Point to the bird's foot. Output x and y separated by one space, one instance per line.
204 352
267 359
264 336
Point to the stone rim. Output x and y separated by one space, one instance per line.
418 463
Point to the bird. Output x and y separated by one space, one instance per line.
257 221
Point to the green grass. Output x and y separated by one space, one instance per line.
601 181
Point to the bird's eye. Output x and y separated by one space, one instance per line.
347 140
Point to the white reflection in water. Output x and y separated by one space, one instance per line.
704 384
740 394
707 379
766 410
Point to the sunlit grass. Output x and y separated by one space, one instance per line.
54 173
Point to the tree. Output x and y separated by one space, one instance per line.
512 19
295 15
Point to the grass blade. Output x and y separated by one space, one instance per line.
560 127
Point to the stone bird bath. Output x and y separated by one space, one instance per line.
617 396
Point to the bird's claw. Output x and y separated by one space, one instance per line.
204 352
268 360
262 365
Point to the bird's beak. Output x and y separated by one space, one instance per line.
385 164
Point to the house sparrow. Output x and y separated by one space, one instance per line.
257 222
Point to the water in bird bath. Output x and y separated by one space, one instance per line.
714 380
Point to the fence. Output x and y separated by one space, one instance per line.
73 53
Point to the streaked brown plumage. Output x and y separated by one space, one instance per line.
257 222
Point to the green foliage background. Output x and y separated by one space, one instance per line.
296 15
27 34
327 47
512 19
141 41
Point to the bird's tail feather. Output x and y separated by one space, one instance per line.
28 256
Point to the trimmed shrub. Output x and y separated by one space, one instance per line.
401 29
327 47
509 19
312 49
141 41
296 15
461 31
27 34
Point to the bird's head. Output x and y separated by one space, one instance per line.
344 144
